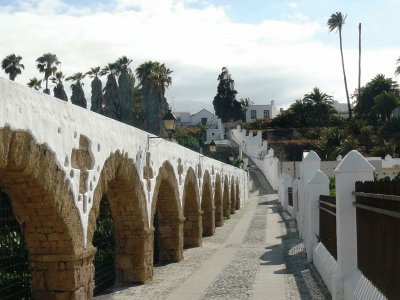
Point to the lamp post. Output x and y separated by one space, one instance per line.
169 121
213 147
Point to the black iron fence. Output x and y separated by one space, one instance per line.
104 241
327 223
378 232
290 196
15 275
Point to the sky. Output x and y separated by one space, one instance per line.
274 50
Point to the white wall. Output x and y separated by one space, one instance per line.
59 124
257 150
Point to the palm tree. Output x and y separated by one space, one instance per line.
126 82
97 90
321 106
12 66
397 72
35 83
58 90
110 90
359 56
336 22
78 95
154 78
47 65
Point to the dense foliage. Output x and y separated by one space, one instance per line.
225 104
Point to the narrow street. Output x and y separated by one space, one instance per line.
256 255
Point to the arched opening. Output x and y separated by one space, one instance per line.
233 197
167 218
207 206
226 199
219 214
43 205
237 195
104 241
193 229
15 275
120 198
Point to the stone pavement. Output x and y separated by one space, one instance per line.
257 254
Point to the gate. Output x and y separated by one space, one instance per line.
104 241
15 275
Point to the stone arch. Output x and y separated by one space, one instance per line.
193 229
238 204
43 204
219 214
233 196
120 183
207 206
226 199
167 217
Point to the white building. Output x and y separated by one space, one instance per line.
215 130
256 112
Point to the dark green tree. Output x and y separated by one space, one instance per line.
225 104
365 106
320 107
47 64
125 92
336 22
110 91
397 72
58 90
97 98
12 66
78 95
385 103
154 78
35 83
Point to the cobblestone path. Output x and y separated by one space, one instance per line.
257 254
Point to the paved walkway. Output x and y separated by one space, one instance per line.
256 255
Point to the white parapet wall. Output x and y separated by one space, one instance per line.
257 149
61 125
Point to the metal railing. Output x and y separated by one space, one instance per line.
15 275
104 241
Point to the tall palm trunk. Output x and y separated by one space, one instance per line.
359 58
344 75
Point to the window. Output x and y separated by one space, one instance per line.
253 114
203 121
266 114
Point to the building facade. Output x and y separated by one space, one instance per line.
215 129
257 112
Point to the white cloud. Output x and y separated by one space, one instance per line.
276 59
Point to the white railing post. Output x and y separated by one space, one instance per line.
310 164
295 189
353 167
318 185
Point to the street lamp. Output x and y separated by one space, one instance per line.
169 123
213 147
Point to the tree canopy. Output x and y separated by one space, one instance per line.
225 104
12 66
366 107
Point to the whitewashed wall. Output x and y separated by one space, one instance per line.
59 125
254 147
